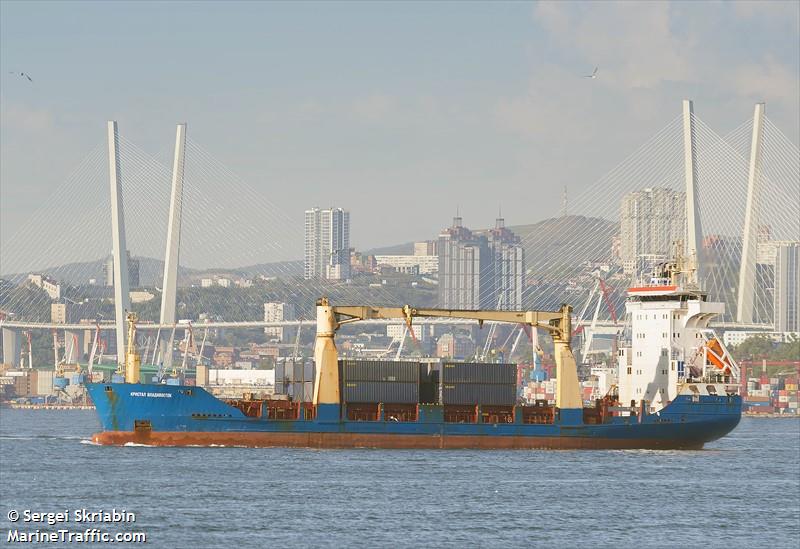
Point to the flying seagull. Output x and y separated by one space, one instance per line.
22 74
593 75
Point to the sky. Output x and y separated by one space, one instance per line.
400 112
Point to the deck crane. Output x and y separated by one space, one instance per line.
330 318
603 297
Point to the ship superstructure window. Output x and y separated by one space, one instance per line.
630 370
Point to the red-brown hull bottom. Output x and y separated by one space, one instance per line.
358 440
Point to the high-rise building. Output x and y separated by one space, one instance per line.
506 277
327 244
278 312
463 258
650 221
481 269
787 287
133 271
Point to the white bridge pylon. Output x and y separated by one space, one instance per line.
747 269
172 253
122 300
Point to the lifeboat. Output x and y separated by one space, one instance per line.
717 356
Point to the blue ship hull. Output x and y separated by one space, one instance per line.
174 415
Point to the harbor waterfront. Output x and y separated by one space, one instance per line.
451 498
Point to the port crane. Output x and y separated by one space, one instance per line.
558 323
603 293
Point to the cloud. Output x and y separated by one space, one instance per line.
633 43
769 80
652 54
650 45
781 12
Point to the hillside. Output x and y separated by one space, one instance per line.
562 244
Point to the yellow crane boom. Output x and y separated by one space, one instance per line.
330 318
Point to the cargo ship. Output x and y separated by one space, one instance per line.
676 389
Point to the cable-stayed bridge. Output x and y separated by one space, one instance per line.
735 194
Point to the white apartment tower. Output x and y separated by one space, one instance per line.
327 244
650 221
278 312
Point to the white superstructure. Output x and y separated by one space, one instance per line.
670 344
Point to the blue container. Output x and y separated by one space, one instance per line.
155 379
60 382
117 378
37 400
173 381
